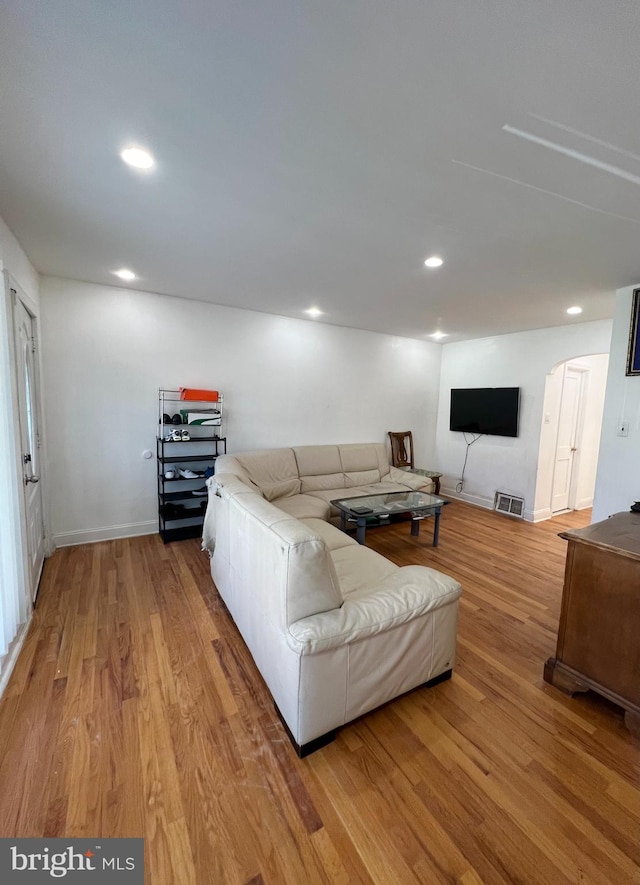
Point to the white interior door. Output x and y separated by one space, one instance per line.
29 440
566 446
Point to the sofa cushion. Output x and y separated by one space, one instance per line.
274 471
312 584
413 480
333 494
280 545
325 481
384 488
356 457
304 506
333 537
359 568
361 477
284 488
317 460
229 465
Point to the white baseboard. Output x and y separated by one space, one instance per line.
489 504
8 662
547 513
105 533
477 500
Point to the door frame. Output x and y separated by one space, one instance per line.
583 389
547 438
14 294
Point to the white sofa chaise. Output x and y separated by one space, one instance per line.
335 629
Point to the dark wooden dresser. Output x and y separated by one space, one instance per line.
599 634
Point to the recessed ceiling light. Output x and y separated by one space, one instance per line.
138 157
434 261
574 310
125 274
438 335
314 312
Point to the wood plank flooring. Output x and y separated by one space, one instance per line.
135 710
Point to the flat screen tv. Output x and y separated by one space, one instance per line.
490 410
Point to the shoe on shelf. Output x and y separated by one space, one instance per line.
200 492
208 472
171 472
174 436
166 419
185 473
172 511
186 436
177 418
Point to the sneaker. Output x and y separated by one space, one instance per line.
185 473
200 492
208 472
171 472
177 418
185 435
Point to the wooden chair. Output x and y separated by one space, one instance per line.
401 448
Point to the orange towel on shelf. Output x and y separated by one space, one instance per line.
203 396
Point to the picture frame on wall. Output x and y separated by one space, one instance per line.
633 356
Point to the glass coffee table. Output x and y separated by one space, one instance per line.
415 506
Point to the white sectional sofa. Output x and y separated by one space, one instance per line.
303 480
335 629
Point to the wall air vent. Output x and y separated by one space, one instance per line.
509 504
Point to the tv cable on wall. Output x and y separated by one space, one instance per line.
469 443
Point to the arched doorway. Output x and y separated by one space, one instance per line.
570 435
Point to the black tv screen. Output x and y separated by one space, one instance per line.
490 410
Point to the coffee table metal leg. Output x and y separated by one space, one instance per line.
361 529
415 526
343 521
436 526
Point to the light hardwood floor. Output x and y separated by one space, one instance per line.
135 710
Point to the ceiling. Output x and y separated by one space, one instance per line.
316 153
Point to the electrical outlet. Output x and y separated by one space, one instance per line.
623 428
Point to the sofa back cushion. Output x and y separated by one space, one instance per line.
342 466
273 471
319 468
361 478
357 457
312 583
279 473
287 563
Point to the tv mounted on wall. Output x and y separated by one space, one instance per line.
486 410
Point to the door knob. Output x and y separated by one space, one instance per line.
31 478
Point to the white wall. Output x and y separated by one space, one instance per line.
521 359
285 382
618 479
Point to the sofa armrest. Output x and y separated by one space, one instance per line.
408 593
414 481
